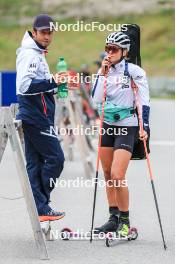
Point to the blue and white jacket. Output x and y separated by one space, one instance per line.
34 85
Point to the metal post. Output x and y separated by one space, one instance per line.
73 105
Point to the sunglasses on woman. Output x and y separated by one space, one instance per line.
112 49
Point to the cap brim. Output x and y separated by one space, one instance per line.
44 27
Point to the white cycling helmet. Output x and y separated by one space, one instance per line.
120 39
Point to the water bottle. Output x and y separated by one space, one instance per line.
62 88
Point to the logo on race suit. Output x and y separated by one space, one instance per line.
32 65
125 145
138 77
32 68
125 82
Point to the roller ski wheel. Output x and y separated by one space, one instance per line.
133 234
112 238
66 233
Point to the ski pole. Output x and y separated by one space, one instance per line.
98 155
135 88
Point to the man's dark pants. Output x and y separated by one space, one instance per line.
45 162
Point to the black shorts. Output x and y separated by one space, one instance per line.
119 137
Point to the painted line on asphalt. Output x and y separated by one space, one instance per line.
168 143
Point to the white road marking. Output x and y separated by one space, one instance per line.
169 143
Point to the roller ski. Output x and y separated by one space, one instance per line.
110 237
68 234
99 233
124 233
45 222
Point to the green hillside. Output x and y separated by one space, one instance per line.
157 43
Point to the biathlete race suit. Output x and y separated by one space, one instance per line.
120 94
35 90
121 120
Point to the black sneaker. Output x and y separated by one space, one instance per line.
110 226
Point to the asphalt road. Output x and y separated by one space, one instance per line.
17 245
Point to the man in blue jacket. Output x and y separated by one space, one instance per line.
35 90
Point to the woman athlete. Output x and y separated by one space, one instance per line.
120 125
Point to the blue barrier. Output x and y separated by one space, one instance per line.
7 88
